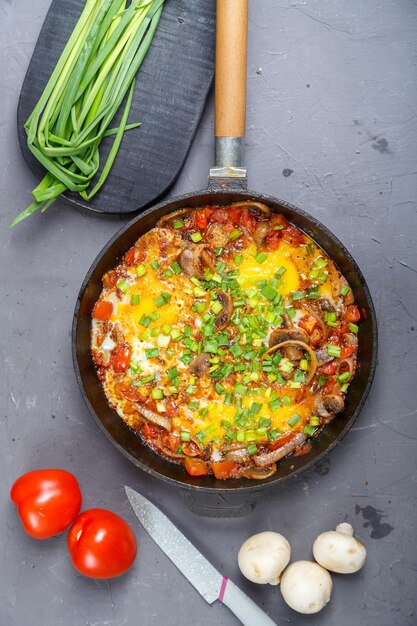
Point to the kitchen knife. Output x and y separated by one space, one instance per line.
193 565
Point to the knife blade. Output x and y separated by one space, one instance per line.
193 565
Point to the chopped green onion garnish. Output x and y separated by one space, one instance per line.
240 389
199 293
176 268
261 257
238 259
164 298
330 317
280 271
314 420
312 293
264 422
175 334
123 285
134 299
157 394
304 365
294 419
252 449
322 380
172 373
299 376
196 237
343 377
269 292
309 430
273 434
151 352
344 387
255 408
185 436
333 350
353 328
345 290
140 270
216 306
178 224
236 350
297 295
211 346
275 404
320 262
235 234
145 321
154 265
147 379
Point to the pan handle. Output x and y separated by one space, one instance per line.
230 87
220 505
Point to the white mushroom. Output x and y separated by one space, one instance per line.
263 557
338 550
306 587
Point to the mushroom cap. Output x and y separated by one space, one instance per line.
263 557
339 552
306 586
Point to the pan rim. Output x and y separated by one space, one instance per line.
253 485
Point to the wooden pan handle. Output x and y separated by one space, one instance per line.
230 86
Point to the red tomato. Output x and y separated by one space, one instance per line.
330 368
248 221
195 467
234 215
309 323
273 239
347 351
47 501
285 438
301 450
352 314
174 442
130 256
221 216
150 432
120 360
223 469
101 544
103 310
293 235
201 217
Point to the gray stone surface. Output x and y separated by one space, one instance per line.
332 128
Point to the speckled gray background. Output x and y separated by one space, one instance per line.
332 128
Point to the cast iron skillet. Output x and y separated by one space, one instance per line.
227 184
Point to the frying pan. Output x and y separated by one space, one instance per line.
227 183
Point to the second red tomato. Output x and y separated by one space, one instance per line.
101 544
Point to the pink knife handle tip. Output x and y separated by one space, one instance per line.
223 588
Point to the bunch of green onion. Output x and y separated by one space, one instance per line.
92 77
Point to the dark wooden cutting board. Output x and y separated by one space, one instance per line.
170 93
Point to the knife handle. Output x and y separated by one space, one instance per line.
242 606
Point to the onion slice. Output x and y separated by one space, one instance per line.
313 359
155 418
271 457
